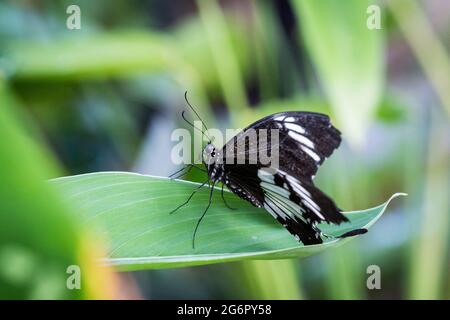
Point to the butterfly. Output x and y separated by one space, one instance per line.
287 190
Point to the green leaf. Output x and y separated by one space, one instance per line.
348 58
132 212
96 56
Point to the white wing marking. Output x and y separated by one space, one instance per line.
309 205
295 127
276 189
304 194
311 153
266 176
301 139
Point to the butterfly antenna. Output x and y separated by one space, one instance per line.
198 116
192 108
192 125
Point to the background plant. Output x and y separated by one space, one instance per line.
104 97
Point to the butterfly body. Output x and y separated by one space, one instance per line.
286 190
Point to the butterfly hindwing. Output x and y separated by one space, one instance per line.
245 182
309 203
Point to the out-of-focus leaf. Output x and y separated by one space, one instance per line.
430 52
388 111
224 55
132 211
348 57
192 45
92 56
39 240
429 263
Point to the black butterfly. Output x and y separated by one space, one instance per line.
286 191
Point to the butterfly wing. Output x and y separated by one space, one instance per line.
306 139
261 191
287 191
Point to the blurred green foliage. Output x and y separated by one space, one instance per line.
37 241
107 96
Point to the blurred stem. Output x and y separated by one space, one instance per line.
278 279
263 44
430 251
426 46
414 177
187 77
344 276
223 54
348 59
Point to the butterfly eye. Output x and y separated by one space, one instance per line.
213 154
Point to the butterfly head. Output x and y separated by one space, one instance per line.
209 154
210 158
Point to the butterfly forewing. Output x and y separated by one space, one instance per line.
305 140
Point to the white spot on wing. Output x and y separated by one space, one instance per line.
275 189
301 139
300 190
280 118
270 210
274 210
306 196
311 202
266 176
289 119
313 209
295 127
279 192
311 153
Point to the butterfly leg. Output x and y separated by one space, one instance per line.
223 198
178 171
190 197
202 216
189 167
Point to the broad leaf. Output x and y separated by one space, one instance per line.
132 212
